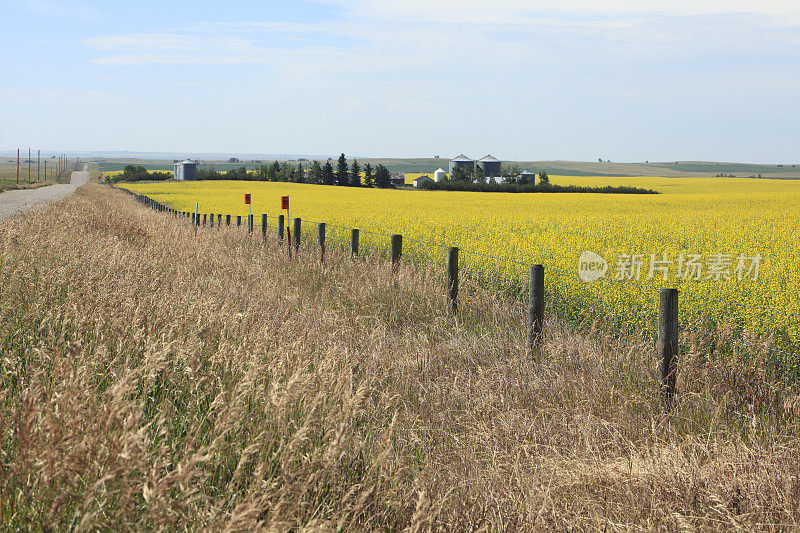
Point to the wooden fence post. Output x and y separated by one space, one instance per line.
321 229
536 307
354 243
668 343
452 279
281 224
297 227
250 224
219 220
238 221
264 227
205 217
227 220
397 250
211 220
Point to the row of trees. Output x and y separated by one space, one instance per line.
138 173
323 174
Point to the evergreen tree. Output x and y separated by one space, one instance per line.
315 173
327 174
368 176
286 171
461 174
355 174
299 174
479 175
382 177
342 172
274 171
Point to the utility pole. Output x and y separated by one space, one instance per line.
38 163
17 166
29 164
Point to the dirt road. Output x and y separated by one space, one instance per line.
13 202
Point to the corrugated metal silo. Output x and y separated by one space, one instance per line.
461 161
186 170
439 175
490 166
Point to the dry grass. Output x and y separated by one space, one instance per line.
151 380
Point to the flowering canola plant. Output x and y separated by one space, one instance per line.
730 245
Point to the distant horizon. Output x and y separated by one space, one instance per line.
220 156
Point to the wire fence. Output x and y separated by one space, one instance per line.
575 303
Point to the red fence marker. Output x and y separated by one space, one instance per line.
284 202
247 198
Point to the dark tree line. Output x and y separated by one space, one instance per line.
322 174
138 173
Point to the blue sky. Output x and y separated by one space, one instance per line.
521 79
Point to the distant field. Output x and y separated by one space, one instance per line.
8 174
564 168
705 216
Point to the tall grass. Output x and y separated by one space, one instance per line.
151 380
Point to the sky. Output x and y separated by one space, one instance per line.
622 80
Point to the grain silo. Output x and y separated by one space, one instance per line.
439 175
186 170
461 161
490 166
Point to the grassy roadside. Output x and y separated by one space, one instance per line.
154 380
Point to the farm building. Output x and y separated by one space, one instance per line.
489 165
186 170
421 181
461 161
439 175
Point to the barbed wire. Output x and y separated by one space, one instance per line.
738 341
722 300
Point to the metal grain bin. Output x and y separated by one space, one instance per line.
461 161
490 166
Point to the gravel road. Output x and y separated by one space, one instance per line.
13 202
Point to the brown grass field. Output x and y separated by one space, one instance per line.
151 380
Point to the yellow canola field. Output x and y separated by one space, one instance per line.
724 225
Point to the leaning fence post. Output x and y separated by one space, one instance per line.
452 279
321 228
297 227
354 243
397 250
668 343
281 223
264 227
536 307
